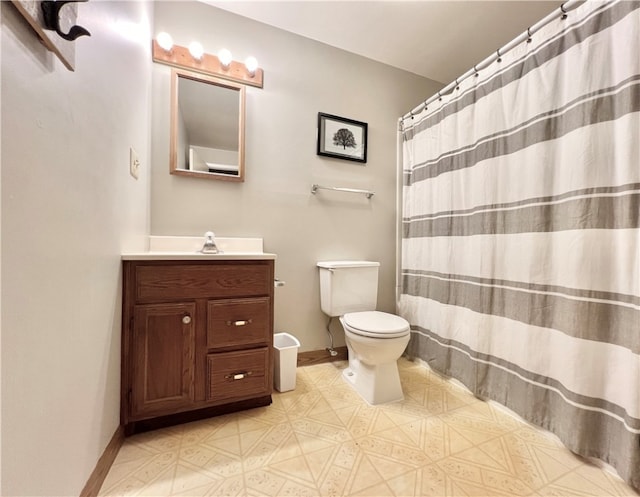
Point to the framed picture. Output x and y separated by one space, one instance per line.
65 50
342 138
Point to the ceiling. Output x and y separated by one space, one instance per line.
439 40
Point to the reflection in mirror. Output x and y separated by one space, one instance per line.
207 127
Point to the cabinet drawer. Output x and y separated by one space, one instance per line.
237 375
238 322
163 282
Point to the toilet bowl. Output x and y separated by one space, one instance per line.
375 341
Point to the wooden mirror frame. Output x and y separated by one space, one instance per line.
173 148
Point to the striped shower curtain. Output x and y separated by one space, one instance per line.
520 240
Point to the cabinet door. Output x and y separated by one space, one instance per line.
163 349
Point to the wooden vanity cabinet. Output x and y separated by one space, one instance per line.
197 339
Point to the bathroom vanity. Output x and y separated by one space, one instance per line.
197 336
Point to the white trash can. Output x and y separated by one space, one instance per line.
286 361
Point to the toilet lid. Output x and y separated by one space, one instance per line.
376 324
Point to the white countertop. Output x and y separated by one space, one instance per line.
196 256
187 248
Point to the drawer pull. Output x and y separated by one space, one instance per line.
186 319
238 376
240 322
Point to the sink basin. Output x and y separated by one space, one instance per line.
188 248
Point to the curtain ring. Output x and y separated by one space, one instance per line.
499 59
457 86
411 114
564 12
529 39
439 97
476 71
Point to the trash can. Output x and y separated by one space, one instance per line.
286 361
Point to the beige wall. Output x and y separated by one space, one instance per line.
69 207
302 78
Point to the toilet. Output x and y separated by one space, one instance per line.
375 340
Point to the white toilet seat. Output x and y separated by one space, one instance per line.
376 324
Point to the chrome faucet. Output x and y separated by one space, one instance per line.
210 246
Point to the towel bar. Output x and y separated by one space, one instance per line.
367 193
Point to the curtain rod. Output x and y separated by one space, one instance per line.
562 11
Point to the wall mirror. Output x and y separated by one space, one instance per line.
207 127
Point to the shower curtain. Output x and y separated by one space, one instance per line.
520 259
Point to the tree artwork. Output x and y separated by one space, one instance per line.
345 138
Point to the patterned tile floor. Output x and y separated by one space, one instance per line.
322 439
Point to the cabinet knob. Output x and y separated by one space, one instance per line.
186 319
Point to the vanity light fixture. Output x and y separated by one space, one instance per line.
196 59
165 41
196 50
225 58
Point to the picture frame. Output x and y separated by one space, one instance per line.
65 50
342 138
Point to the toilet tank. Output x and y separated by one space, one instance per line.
348 286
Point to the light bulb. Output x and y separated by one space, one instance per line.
196 50
251 64
165 41
225 57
